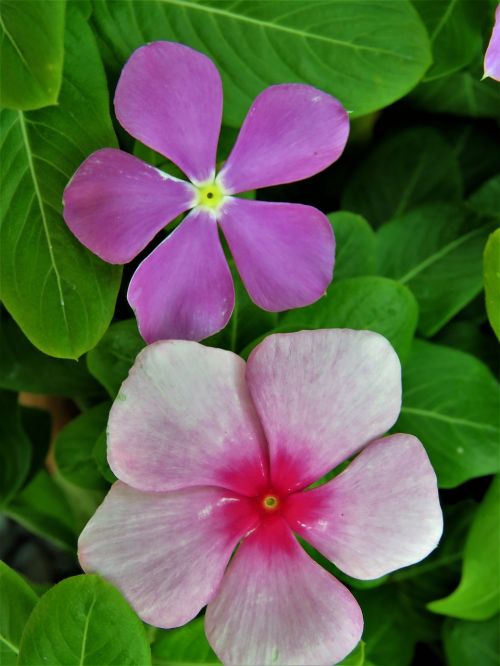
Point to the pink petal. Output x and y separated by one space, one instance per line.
492 55
382 513
283 252
321 396
291 132
115 204
184 289
170 98
166 552
184 417
277 606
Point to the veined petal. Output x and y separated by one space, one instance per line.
165 551
321 396
170 98
492 55
277 606
184 289
382 513
184 417
291 132
115 204
283 252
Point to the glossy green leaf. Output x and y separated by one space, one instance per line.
470 337
477 597
31 52
412 167
356 657
60 294
451 403
356 250
366 53
74 448
435 250
472 643
15 448
17 600
84 620
100 453
187 645
485 199
491 272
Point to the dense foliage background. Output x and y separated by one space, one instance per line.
413 201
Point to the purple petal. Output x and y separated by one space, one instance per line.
291 132
277 606
492 55
283 252
165 551
184 289
115 204
382 513
321 396
170 98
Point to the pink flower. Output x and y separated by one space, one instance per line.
170 98
492 55
212 453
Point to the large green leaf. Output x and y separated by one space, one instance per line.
187 645
17 600
477 596
84 620
60 294
451 403
485 199
364 52
491 272
356 250
31 52
15 448
472 643
435 250
408 169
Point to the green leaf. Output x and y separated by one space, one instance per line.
37 424
186 645
435 250
491 273
15 448
472 643
477 596
100 453
74 448
17 600
84 620
24 368
413 167
469 337
455 33
485 199
366 53
60 294
356 657
110 361
356 250
451 403
31 52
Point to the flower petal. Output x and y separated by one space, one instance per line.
184 289
291 132
170 98
321 396
184 417
115 204
166 552
284 252
492 55
382 513
277 606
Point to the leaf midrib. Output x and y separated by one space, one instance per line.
448 419
10 645
85 632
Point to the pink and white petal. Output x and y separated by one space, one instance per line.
277 606
166 552
291 132
321 396
169 96
184 289
283 252
382 513
184 417
492 55
115 204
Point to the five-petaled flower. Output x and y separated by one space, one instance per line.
213 455
170 98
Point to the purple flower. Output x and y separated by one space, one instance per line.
170 98
492 55
214 454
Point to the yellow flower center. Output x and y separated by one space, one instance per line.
270 502
210 195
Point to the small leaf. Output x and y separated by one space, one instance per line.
15 448
491 268
471 643
17 600
187 645
485 199
100 453
356 250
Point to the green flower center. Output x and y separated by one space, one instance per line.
270 502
